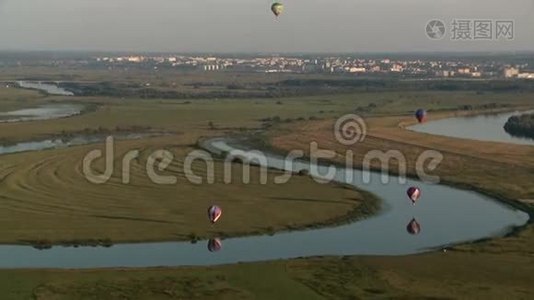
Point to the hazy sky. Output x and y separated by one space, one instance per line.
248 25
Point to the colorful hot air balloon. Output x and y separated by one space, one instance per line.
277 8
420 114
214 213
414 193
413 227
214 245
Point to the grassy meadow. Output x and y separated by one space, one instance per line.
451 275
45 198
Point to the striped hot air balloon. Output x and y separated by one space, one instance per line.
414 193
214 213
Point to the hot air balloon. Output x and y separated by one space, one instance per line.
214 213
420 114
413 227
277 8
414 193
214 245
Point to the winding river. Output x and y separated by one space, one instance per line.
58 143
488 127
45 111
446 215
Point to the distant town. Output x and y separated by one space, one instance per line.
348 65
412 68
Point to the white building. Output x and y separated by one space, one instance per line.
357 70
511 72
525 75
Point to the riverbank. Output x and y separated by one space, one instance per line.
479 274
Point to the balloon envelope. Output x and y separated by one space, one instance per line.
277 8
420 114
414 193
214 213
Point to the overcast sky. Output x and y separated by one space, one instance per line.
248 25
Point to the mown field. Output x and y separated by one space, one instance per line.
46 198
42 191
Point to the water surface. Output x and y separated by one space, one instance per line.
58 143
51 89
488 127
44 112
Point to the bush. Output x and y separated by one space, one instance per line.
522 126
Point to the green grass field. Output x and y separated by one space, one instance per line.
451 275
13 98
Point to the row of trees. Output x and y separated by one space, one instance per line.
522 125
289 88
